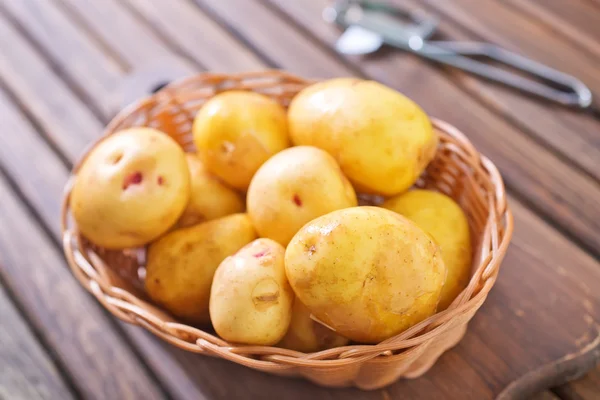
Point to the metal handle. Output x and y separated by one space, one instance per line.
457 54
379 19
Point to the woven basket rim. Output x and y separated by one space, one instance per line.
88 268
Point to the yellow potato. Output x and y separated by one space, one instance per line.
366 272
294 187
308 336
438 215
382 140
235 132
251 299
182 263
209 198
131 188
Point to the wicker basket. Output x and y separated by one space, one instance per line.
115 277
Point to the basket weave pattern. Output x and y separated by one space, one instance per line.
115 277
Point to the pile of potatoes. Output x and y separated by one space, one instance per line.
259 232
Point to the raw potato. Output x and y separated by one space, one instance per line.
308 336
235 132
181 264
131 188
209 198
294 187
438 215
251 299
382 140
367 272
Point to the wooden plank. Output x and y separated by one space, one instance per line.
63 43
197 34
505 26
47 98
569 133
272 38
547 395
576 20
210 378
120 30
93 71
41 183
140 47
51 298
586 388
563 195
526 297
27 370
215 387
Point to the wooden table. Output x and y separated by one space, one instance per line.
66 66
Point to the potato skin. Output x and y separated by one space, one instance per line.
294 187
382 140
307 335
181 264
131 188
236 131
367 272
438 215
251 299
209 197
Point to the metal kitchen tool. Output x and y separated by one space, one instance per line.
368 25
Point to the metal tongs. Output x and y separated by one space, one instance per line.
368 25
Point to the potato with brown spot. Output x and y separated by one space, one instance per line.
367 272
381 139
236 132
438 215
131 188
182 263
209 197
251 299
307 335
294 187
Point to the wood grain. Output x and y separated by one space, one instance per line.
48 99
123 37
507 27
560 192
196 35
68 319
27 370
272 38
94 72
81 61
576 20
520 311
569 133
532 285
569 367
586 388
546 395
